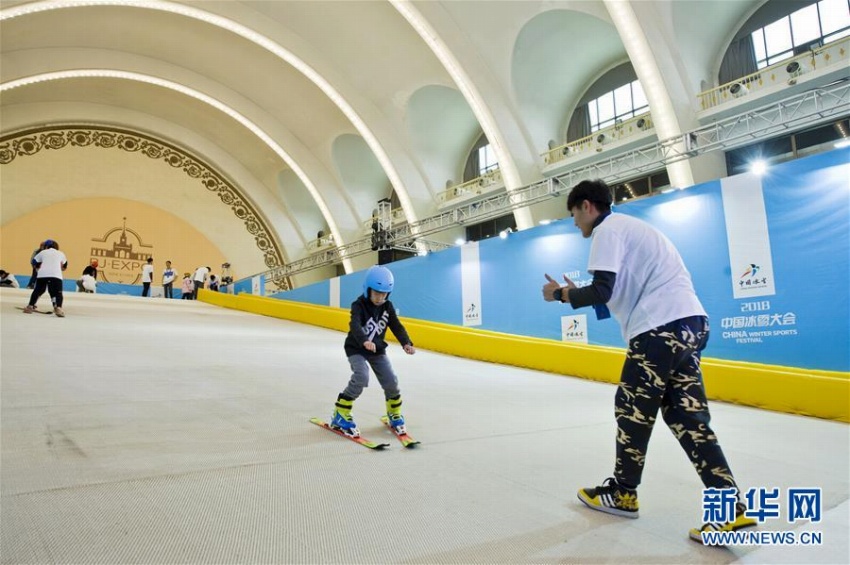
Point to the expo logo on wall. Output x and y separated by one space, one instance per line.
119 259
574 328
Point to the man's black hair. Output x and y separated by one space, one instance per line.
595 191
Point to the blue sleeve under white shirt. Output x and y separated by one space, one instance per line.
653 287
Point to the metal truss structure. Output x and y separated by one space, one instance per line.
811 108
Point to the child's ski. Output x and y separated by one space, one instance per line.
36 311
405 439
359 439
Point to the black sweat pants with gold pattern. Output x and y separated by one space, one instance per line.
662 370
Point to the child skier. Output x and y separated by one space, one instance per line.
371 315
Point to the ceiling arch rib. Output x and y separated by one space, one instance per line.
185 90
371 57
657 91
243 31
27 143
29 115
547 79
482 111
236 140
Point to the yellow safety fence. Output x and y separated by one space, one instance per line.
822 394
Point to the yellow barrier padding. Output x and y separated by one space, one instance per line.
822 394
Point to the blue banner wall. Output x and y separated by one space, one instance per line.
316 293
426 288
792 308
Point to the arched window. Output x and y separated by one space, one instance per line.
487 160
772 34
814 25
617 105
616 95
481 159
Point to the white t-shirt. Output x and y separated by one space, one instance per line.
147 273
12 281
51 263
653 287
168 275
89 283
201 274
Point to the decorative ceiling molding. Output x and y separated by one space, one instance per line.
29 142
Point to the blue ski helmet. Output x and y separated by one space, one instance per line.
378 278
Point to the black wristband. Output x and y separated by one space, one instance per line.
558 294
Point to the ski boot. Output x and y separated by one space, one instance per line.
342 419
396 420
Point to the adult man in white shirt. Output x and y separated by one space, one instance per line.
640 276
200 278
147 277
49 262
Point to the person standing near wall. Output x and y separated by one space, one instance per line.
168 276
639 274
200 278
50 262
147 277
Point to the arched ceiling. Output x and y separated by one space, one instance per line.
543 85
315 109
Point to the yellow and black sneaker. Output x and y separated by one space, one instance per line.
739 523
611 498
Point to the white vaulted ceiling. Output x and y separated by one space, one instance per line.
318 109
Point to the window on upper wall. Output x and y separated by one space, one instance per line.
623 103
486 159
816 24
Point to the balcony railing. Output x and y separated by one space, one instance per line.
320 243
786 72
397 217
815 106
593 142
487 182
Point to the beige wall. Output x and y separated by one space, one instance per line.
80 225
37 181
